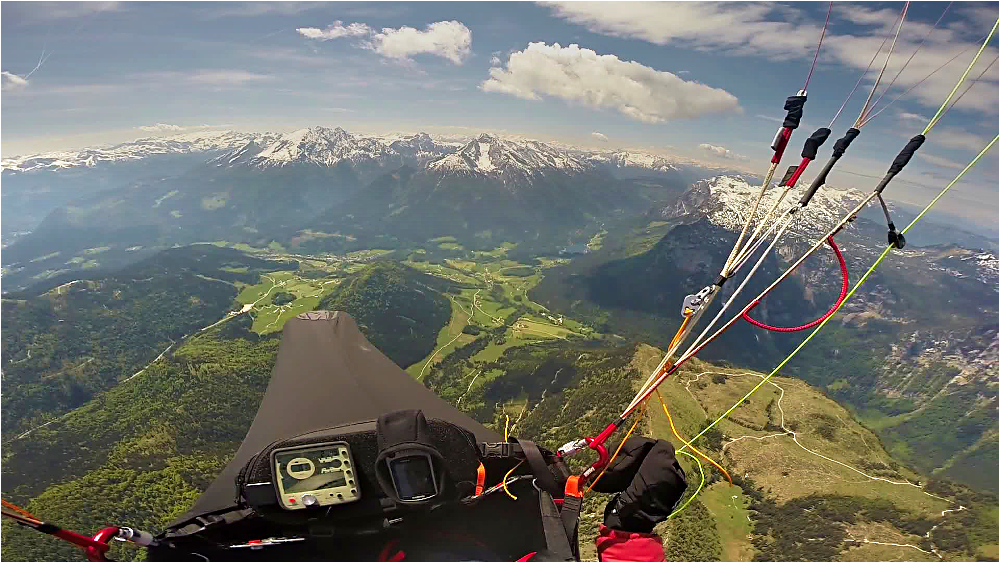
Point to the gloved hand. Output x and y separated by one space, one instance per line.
649 482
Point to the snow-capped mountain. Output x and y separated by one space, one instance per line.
626 160
205 141
488 155
324 147
726 201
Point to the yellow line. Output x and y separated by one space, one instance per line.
937 115
861 281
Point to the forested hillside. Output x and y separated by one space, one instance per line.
83 337
399 309
141 452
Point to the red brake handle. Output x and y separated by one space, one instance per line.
602 452
96 552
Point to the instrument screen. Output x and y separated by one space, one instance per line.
315 475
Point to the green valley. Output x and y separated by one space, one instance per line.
473 334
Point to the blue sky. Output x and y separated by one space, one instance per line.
698 80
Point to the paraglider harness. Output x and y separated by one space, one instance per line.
340 492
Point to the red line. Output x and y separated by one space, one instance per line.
828 314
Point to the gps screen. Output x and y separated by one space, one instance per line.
413 477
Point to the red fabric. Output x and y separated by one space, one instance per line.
387 549
779 150
528 556
616 545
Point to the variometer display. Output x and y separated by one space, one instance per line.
315 475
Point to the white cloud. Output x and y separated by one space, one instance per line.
495 59
335 30
450 40
160 128
11 81
721 151
171 128
226 77
696 24
683 72
760 29
605 81
43 11
256 9
957 139
908 116
941 161
447 39
599 136
770 118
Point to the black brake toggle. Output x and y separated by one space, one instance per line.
896 239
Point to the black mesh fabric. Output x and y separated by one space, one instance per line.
840 147
794 106
327 374
906 154
814 142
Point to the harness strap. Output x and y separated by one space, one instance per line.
557 543
570 515
543 476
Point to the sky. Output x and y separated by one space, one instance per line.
699 80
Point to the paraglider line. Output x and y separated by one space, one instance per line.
688 444
818 46
857 286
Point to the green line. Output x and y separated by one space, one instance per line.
934 119
962 173
846 299
698 490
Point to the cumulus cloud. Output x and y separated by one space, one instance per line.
447 39
11 81
599 136
783 32
160 128
335 30
582 76
721 151
450 40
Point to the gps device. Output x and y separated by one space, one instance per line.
413 476
314 475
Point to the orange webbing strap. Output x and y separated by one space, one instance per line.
480 479
19 510
573 486
572 503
